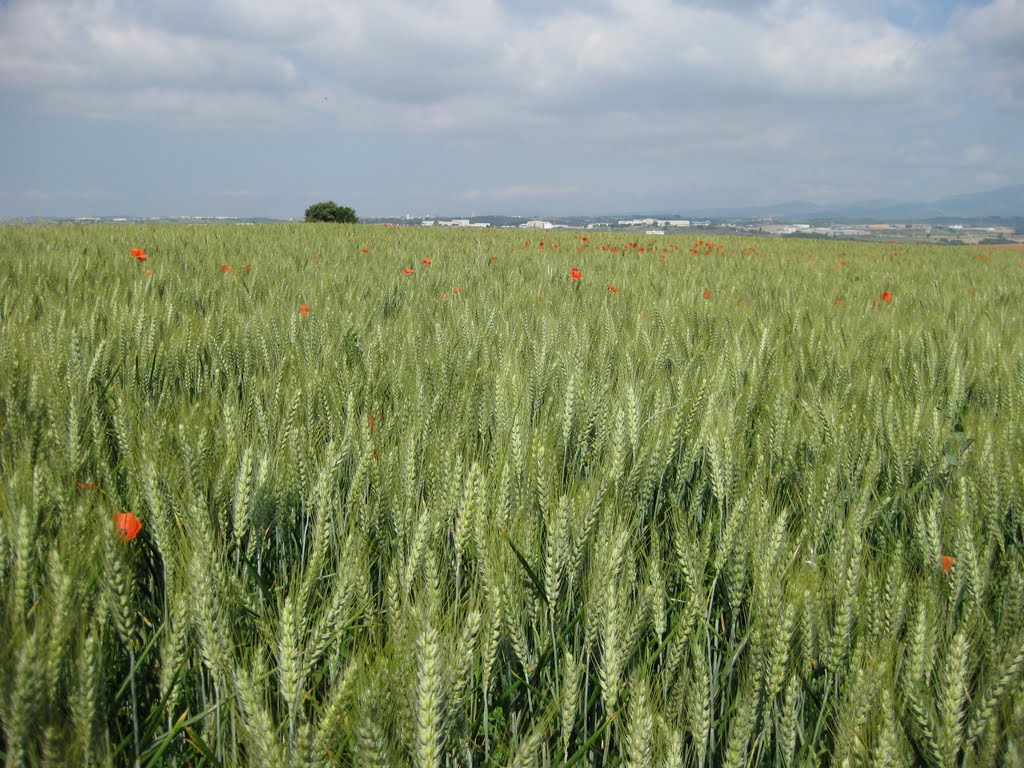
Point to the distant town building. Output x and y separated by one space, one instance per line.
649 222
537 224
784 229
455 223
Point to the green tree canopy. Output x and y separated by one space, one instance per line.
331 211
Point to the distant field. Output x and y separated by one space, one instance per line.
344 495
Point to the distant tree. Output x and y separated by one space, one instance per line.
331 211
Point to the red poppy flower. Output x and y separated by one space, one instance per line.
428 262
947 563
886 296
707 294
613 289
149 273
575 274
139 254
407 270
225 268
838 302
87 486
248 267
128 524
304 309
585 240
457 289
366 250
541 243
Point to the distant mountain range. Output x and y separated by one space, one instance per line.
1005 202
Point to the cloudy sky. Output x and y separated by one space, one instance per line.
260 107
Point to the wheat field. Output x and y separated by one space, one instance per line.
318 495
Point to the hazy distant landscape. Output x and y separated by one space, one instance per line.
987 218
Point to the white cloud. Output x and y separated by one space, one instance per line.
97 63
779 50
797 88
993 37
97 60
999 24
417 59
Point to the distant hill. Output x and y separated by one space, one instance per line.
1005 202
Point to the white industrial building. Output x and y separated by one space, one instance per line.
654 222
